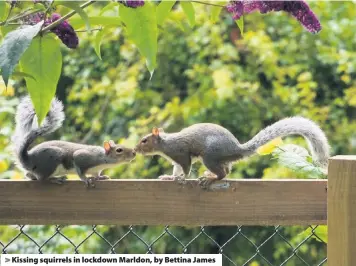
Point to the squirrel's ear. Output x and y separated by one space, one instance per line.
112 143
107 147
155 132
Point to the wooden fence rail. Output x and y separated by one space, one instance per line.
231 202
154 202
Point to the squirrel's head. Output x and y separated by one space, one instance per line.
118 152
149 144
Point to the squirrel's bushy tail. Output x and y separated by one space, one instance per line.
315 137
27 128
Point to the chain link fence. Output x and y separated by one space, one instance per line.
239 245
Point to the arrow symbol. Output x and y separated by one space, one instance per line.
7 260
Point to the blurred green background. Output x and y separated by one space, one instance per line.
206 74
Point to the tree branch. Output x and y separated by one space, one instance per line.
98 29
205 3
70 14
22 15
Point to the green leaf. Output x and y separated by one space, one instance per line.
98 38
14 45
3 10
178 23
163 10
141 25
189 12
76 7
43 61
215 13
216 10
40 6
296 158
7 28
96 21
21 74
240 24
320 233
108 7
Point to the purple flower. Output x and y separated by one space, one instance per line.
35 18
298 9
133 3
236 8
64 30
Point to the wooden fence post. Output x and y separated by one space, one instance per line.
342 211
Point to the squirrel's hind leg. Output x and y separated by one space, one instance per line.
217 172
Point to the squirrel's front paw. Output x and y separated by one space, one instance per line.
180 179
167 177
89 182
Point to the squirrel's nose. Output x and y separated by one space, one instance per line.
134 152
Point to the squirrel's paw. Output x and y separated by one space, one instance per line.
57 180
180 179
101 177
31 176
89 182
167 177
206 181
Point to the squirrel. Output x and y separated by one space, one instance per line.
53 160
217 148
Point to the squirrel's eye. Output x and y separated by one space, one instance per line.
144 140
119 150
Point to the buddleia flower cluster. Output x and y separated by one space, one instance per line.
64 30
298 9
133 3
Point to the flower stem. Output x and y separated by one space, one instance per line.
46 14
23 15
205 3
98 29
70 14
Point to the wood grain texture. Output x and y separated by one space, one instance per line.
154 202
342 211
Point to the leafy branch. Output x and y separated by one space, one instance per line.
65 17
19 16
208 4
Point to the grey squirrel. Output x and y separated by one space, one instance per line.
218 148
52 160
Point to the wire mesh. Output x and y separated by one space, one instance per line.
239 245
